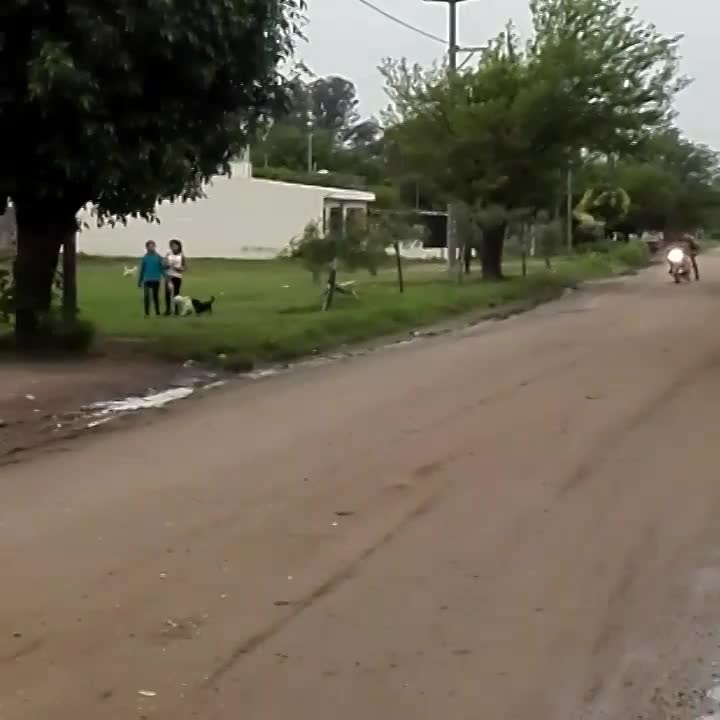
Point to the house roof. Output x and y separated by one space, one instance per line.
244 169
329 193
349 195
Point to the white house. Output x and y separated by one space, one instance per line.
239 217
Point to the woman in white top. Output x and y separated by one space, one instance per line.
175 266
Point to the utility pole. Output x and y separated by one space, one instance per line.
452 236
569 200
453 47
310 128
452 50
452 240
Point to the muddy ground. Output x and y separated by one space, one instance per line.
47 402
40 402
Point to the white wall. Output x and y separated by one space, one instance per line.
241 217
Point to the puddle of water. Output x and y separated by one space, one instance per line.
199 379
147 402
403 343
266 372
97 423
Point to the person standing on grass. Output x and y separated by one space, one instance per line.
175 266
152 271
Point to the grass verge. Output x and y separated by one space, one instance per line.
270 311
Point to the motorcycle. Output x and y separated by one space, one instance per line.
680 266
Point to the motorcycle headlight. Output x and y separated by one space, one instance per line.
676 255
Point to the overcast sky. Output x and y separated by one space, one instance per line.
349 39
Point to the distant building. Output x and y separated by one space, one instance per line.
240 217
433 227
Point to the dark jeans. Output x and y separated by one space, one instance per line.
151 288
172 290
693 260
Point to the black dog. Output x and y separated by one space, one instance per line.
203 306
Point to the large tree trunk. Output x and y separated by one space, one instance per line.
492 253
69 267
40 233
398 262
452 238
524 249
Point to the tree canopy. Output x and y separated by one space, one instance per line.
341 142
122 105
673 183
333 103
592 78
606 77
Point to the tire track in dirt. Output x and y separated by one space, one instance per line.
610 439
338 578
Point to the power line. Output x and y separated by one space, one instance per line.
404 24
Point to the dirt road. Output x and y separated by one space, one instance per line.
520 520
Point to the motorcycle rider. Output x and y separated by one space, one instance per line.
691 248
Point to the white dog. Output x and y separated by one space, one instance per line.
183 305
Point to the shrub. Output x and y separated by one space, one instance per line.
387 197
361 247
314 250
74 338
6 295
600 247
548 238
634 254
56 336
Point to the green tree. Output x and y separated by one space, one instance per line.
474 136
341 143
605 204
693 168
365 134
608 78
296 105
122 105
405 87
672 182
285 145
653 192
593 77
334 103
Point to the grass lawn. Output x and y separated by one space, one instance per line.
270 311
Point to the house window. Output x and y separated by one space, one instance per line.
335 220
356 217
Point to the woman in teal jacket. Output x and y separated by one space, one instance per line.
152 271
